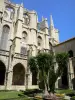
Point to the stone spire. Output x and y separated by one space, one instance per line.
51 22
22 3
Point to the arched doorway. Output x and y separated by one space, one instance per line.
18 74
34 78
70 53
65 78
2 73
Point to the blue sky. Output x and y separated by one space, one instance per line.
63 12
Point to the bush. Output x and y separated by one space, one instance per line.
73 98
32 92
71 94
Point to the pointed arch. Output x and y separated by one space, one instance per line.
18 74
4 37
2 73
70 52
39 40
11 10
24 36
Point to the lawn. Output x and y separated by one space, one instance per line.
11 95
64 91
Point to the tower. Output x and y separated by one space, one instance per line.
54 33
1 5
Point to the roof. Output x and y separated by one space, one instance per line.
65 41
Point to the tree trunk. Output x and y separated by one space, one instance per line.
46 91
48 80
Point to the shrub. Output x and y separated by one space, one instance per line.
73 98
32 92
71 94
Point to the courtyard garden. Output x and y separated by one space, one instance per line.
47 74
36 94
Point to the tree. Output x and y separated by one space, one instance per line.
43 64
61 59
33 64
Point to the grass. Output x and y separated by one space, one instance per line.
13 95
8 94
64 91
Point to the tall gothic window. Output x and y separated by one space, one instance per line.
23 50
26 18
4 37
12 12
24 37
39 41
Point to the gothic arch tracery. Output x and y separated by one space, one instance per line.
18 74
4 37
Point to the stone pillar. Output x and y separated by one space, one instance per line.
9 72
18 34
56 84
9 79
30 80
70 73
28 73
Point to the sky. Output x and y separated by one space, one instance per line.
62 11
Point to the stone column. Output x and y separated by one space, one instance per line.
9 72
70 73
9 79
28 73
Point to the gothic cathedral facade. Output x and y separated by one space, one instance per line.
21 36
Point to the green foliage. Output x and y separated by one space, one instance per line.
33 64
66 91
61 59
43 64
73 98
52 80
44 61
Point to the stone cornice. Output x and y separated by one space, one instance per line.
16 37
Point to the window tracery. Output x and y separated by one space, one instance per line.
12 12
39 41
26 18
24 37
4 37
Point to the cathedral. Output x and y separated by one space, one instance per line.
21 36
